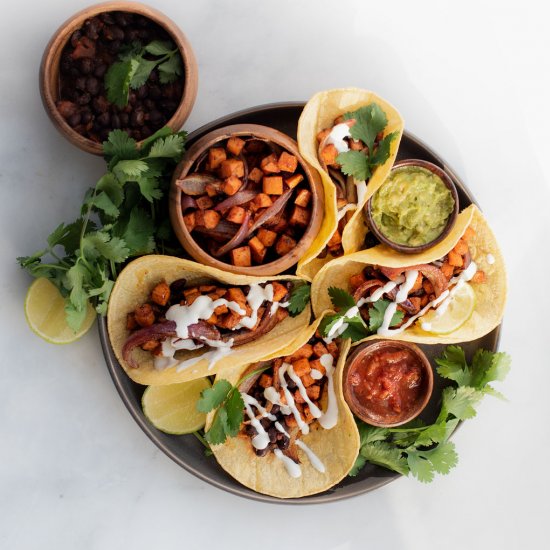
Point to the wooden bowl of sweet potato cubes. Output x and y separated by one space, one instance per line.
243 200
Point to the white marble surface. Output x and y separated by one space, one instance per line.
471 80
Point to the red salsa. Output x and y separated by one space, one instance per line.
387 383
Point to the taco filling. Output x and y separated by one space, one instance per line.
349 151
284 402
215 317
403 295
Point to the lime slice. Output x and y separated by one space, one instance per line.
459 310
45 314
172 409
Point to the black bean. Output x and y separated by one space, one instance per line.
177 287
272 433
92 27
86 65
275 409
137 119
75 38
168 105
146 132
100 70
144 35
100 104
104 119
80 83
122 19
124 119
86 115
142 92
136 134
107 17
154 76
74 120
115 46
84 99
104 134
131 34
154 92
283 443
132 98
261 452
142 21
115 121
250 430
92 85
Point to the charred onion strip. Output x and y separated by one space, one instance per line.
244 336
237 239
431 272
272 211
195 184
158 331
240 197
188 202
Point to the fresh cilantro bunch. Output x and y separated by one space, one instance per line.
423 450
133 68
299 299
356 328
369 122
121 217
229 405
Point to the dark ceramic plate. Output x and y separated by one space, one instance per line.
186 450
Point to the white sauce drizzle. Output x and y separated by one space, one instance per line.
291 467
290 399
272 395
255 298
316 374
313 458
329 418
261 439
314 409
337 135
345 209
361 188
490 259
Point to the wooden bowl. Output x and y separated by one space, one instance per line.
185 167
447 180
49 67
360 410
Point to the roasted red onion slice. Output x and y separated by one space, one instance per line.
245 335
158 331
224 230
431 272
237 239
361 291
203 330
272 211
187 202
240 197
195 184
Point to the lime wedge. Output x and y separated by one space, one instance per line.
458 311
172 409
45 314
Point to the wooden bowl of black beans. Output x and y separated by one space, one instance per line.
117 65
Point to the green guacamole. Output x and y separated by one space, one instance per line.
412 207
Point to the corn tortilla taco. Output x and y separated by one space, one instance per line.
323 133
172 320
299 436
418 287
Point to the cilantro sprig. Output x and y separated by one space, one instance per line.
134 68
355 326
229 405
369 122
120 218
299 299
424 450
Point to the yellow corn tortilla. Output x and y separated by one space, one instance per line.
490 295
319 113
132 289
337 448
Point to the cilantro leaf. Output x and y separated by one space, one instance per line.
129 170
56 235
376 315
101 201
354 163
340 298
112 188
149 188
423 463
137 233
234 407
100 243
217 434
74 316
369 122
170 69
419 467
360 461
452 365
328 323
159 47
489 367
142 72
385 454
382 152
356 329
213 397
171 146
117 80
460 402
299 299
370 434
120 145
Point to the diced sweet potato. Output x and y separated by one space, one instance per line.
447 270
221 310
316 365
212 190
306 351
335 240
461 247
455 259
199 218
284 245
416 302
273 185
255 175
468 234
340 203
266 236
265 381
231 185
319 349
302 198
294 180
479 277
191 294
424 300
427 286
417 283
235 294
189 221
207 288
241 256
307 380
145 316
150 345
314 392
290 421
232 167
213 319
131 323
270 165
323 134
218 293
357 280
216 156
161 294
300 217
236 214
281 314
204 202
211 219
356 145
333 349
257 249
262 200
279 291
230 320
329 154
298 397
281 224
235 145
307 415
287 162
301 367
